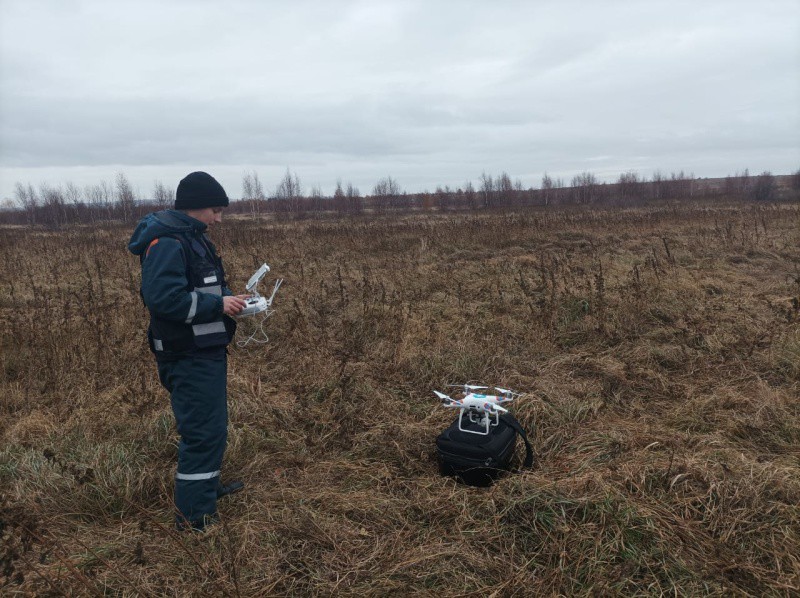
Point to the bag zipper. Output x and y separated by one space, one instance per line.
461 460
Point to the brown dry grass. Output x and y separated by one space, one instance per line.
661 348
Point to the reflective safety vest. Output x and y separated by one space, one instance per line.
205 274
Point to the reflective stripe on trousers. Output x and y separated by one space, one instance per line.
197 476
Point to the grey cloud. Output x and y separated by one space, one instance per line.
434 93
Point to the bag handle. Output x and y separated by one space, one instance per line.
512 421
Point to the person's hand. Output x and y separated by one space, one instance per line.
233 304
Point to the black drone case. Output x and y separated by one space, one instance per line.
478 459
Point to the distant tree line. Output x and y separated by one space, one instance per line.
54 207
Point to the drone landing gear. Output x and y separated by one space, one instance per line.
480 418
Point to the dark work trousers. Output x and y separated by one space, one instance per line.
198 391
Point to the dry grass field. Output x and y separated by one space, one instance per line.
660 347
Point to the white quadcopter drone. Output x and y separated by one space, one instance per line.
479 407
257 304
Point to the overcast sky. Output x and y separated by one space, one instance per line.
429 93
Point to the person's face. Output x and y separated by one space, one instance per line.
208 216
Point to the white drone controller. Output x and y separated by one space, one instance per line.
255 304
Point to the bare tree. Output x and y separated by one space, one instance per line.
289 187
487 190
289 190
347 200
53 205
504 189
355 205
547 189
657 185
739 184
258 189
763 188
339 192
339 200
441 197
679 185
584 187
29 200
387 186
629 185
252 187
386 193
163 196
125 196
99 198
470 196
317 199
253 191
247 187
745 182
72 194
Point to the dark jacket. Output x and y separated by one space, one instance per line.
183 283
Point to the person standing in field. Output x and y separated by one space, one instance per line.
191 323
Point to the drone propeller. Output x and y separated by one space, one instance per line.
505 391
444 397
468 386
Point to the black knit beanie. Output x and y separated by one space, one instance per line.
199 190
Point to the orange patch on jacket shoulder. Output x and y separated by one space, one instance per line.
153 242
